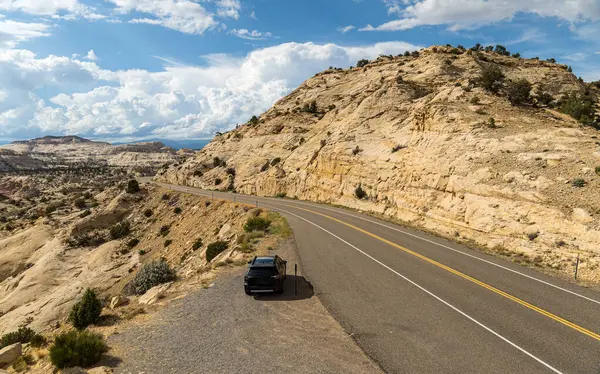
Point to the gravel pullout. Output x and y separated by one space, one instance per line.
221 330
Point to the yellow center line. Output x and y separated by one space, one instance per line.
462 275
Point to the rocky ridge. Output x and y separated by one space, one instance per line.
72 152
420 140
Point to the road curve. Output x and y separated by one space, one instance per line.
420 304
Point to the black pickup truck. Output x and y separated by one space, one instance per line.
265 274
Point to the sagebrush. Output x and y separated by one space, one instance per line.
151 275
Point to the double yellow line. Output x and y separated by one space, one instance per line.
462 275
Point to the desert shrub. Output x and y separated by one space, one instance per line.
551 60
560 243
397 148
76 348
491 78
415 54
544 98
197 244
578 182
580 107
253 120
22 335
168 242
214 249
142 252
133 242
455 51
93 238
265 166
275 161
256 224
198 173
356 151
85 213
474 100
281 195
133 186
218 181
362 63
492 123
86 311
80 204
120 230
501 50
50 209
360 193
532 236
177 210
597 170
216 162
165 197
164 230
230 171
516 55
151 275
148 213
37 341
518 92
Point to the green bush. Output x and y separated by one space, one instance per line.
544 98
164 231
133 186
37 341
360 193
580 107
256 224
168 242
254 120
597 170
85 213
80 204
362 63
76 348
22 335
148 213
519 92
275 161
578 182
177 210
151 275
230 171
218 181
133 242
491 78
120 230
86 311
214 249
197 244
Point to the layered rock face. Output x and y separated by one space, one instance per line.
416 134
51 153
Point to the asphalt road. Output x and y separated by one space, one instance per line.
420 304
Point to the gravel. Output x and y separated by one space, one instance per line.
221 330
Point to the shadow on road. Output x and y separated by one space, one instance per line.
305 290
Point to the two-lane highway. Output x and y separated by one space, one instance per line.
418 304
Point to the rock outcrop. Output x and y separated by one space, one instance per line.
429 146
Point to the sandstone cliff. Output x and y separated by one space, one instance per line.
429 146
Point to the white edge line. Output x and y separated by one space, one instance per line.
427 291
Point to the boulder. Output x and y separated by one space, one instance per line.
154 294
10 353
118 301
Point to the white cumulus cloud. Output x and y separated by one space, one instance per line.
91 55
229 8
346 29
180 101
181 15
251 35
13 32
461 14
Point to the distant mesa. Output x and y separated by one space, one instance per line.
70 139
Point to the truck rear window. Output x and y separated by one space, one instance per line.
263 272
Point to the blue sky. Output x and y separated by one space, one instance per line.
178 69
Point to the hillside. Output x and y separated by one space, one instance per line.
425 140
72 152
